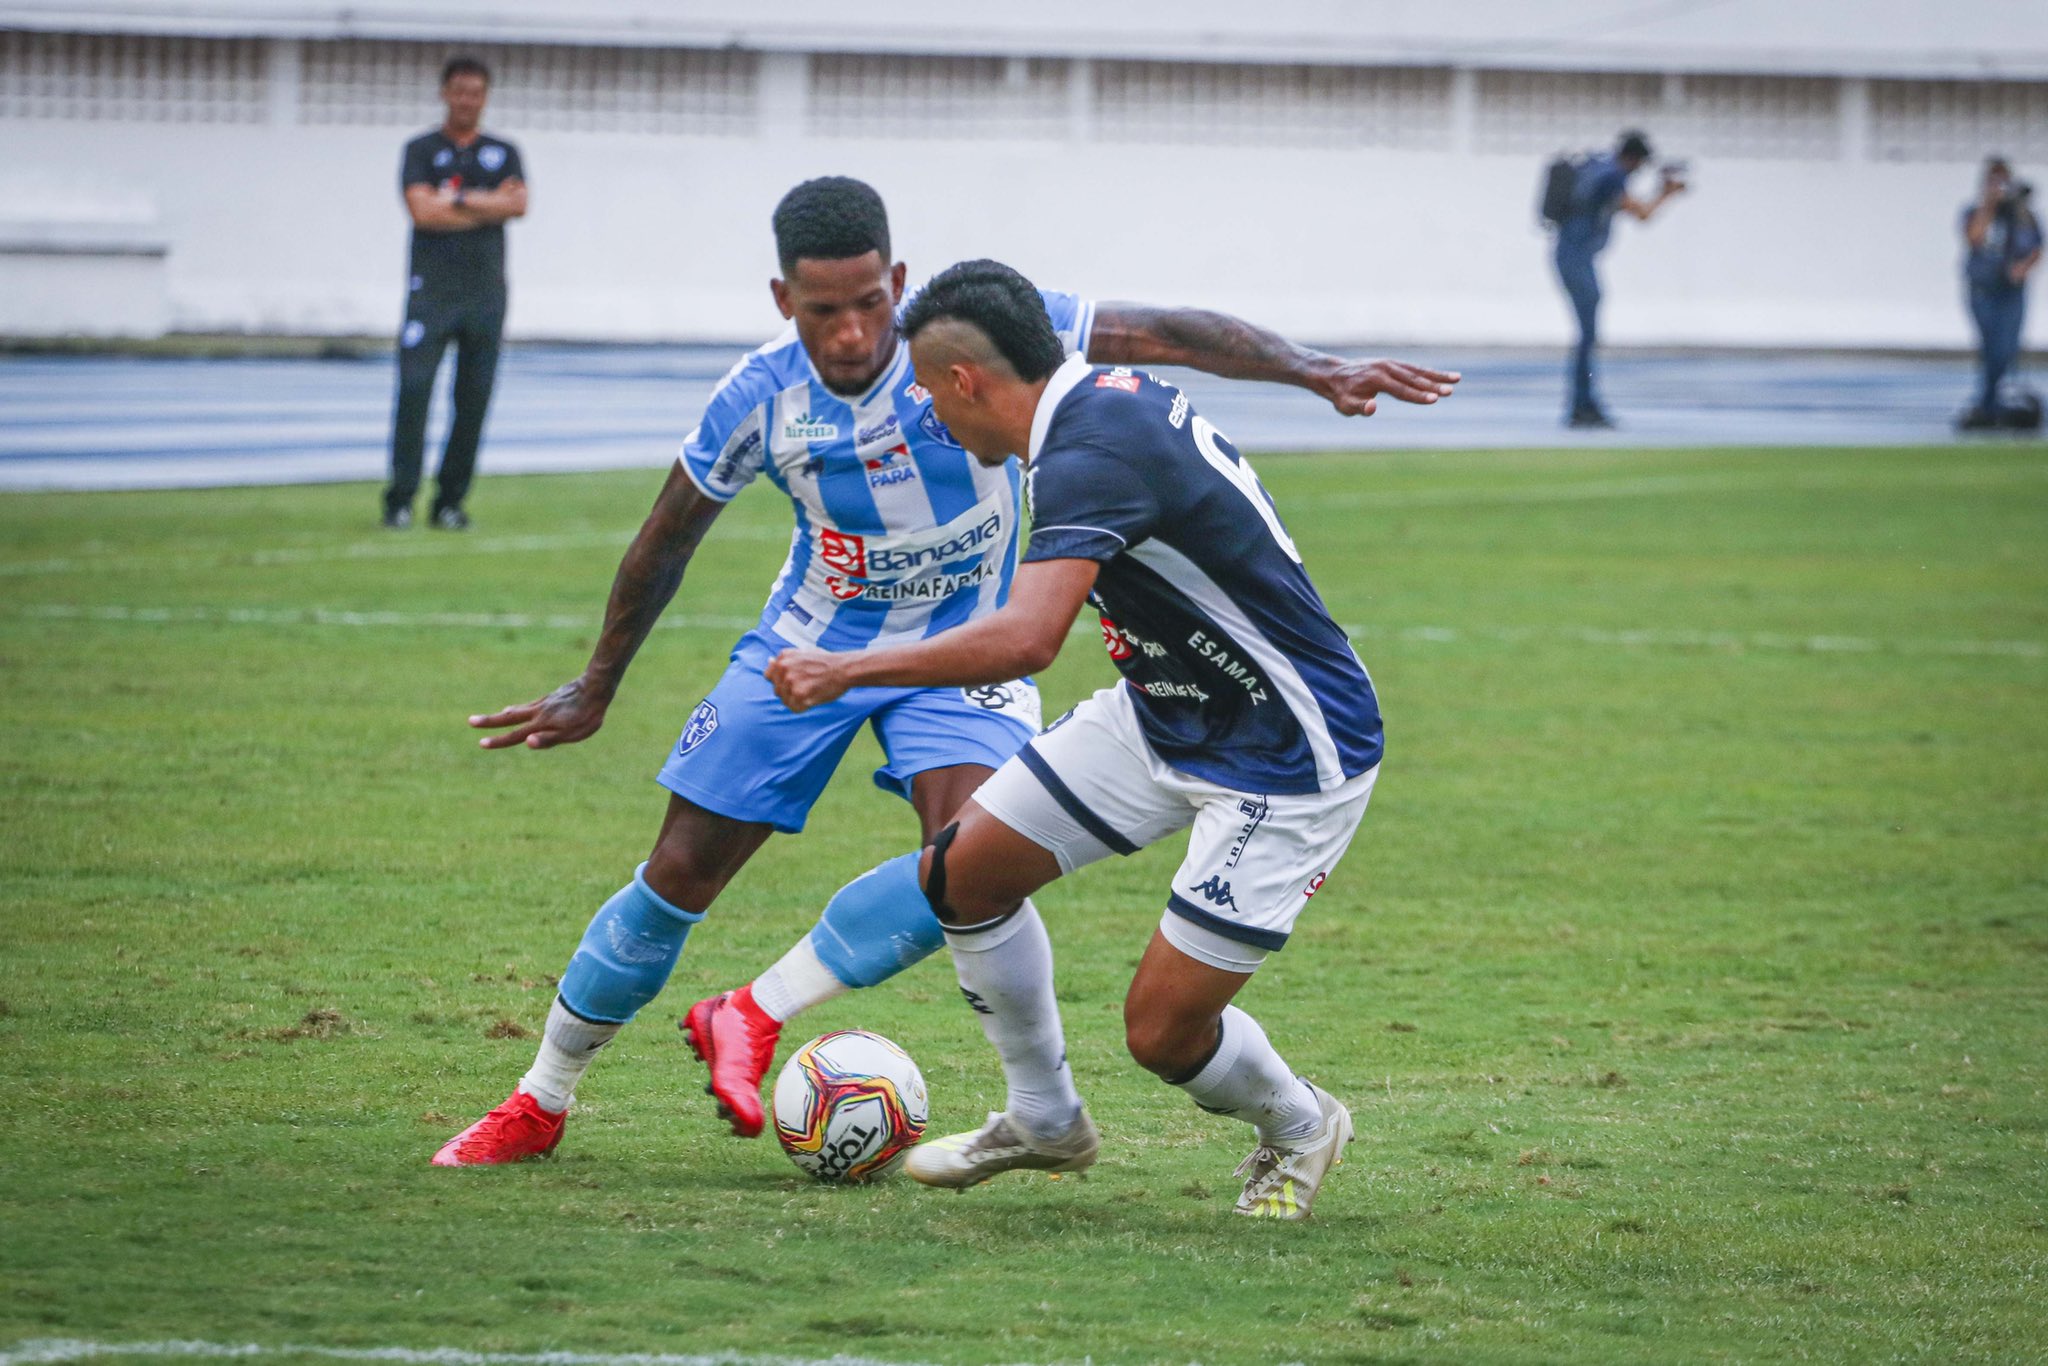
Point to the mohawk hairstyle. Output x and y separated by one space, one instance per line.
832 218
1003 305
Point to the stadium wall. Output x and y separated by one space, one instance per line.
248 184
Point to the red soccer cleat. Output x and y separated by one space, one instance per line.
736 1039
513 1132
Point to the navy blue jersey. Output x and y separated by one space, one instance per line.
466 259
1236 670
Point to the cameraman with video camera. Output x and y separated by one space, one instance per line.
1580 200
2002 238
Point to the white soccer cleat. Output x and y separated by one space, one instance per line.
958 1161
1281 1183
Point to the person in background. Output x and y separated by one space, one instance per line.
461 186
1600 189
2002 245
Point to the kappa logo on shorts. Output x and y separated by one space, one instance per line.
698 728
1217 890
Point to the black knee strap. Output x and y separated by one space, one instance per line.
935 880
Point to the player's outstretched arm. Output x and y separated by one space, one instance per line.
648 577
1141 334
1022 637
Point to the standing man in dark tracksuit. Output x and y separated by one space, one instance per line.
2002 245
1601 189
460 185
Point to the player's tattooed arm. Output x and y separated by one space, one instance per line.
1141 334
648 577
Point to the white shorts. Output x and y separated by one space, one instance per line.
1091 786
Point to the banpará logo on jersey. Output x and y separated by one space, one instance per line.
490 157
1122 645
698 728
805 429
887 561
844 551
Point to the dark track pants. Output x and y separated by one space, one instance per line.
2000 316
476 324
1581 286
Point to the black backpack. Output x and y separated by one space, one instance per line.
1560 187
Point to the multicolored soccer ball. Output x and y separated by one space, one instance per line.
849 1105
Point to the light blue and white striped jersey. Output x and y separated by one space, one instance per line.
900 533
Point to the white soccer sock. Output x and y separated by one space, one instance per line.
1006 974
798 981
1248 1080
567 1045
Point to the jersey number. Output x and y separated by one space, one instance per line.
1238 471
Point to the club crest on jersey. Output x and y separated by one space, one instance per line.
699 727
444 156
490 158
929 422
805 429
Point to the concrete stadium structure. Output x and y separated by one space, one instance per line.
1347 171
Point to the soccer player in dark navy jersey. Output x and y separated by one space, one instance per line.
1243 717
899 534
461 186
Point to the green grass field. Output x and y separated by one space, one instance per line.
1689 979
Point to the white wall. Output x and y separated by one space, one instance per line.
293 229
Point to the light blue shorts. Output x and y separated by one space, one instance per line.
745 755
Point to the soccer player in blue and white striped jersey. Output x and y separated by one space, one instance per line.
899 534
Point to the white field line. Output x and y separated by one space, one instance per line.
392 548
1642 486
39 1351
321 616
1670 485
1735 642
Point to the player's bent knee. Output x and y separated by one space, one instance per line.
627 953
1169 1046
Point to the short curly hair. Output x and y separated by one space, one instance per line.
832 218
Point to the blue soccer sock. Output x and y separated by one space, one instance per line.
873 928
624 961
627 953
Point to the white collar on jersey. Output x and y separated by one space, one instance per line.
1071 372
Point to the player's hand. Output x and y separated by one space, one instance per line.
805 678
1355 385
570 713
